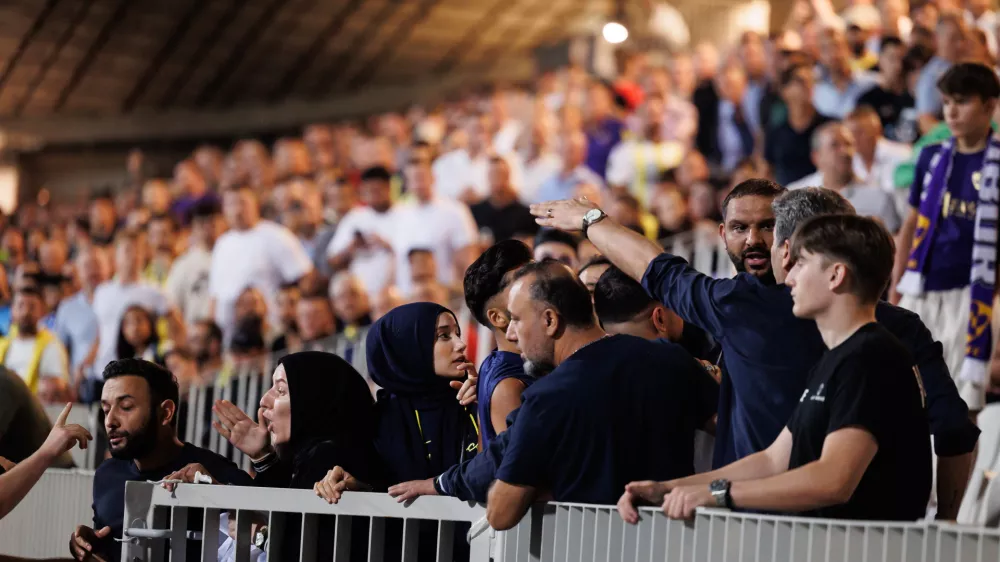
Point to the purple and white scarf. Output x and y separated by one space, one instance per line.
982 278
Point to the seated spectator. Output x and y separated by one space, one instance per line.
591 271
561 442
191 189
205 344
187 282
17 479
140 408
103 219
636 165
387 299
833 153
137 338
162 237
52 256
876 157
890 97
156 197
501 374
574 170
287 301
423 266
75 321
842 454
315 321
247 351
23 422
350 303
837 91
463 174
500 214
786 147
31 351
556 245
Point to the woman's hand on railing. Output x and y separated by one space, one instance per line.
467 388
413 489
647 492
336 482
251 438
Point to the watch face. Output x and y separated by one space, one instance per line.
592 215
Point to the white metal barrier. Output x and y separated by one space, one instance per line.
40 526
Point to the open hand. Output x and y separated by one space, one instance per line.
413 489
467 388
647 492
565 215
63 437
251 438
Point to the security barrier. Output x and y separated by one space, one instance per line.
40 526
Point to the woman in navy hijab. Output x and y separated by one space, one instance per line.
416 354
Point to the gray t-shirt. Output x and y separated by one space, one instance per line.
23 423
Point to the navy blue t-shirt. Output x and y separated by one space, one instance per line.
618 410
109 488
768 353
497 366
949 262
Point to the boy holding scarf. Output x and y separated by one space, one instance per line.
945 267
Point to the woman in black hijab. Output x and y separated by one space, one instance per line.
318 414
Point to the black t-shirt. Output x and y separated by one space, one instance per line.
891 107
869 382
109 490
504 223
789 151
618 410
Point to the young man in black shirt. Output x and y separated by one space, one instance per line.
889 97
140 400
857 445
501 214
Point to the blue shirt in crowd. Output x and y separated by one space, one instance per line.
498 366
109 490
601 139
949 263
768 353
618 410
76 325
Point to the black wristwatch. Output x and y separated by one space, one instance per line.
592 217
720 491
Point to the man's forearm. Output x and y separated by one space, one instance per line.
629 251
808 487
757 465
952 479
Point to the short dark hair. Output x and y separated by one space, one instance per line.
862 243
619 298
757 187
248 336
162 383
970 79
486 277
798 205
789 74
419 251
206 209
596 260
378 173
558 287
547 235
891 41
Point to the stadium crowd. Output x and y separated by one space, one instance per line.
525 336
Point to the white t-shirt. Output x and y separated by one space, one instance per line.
443 226
265 256
374 267
456 170
187 284
54 361
111 300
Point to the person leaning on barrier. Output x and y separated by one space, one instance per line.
140 400
16 480
562 441
843 454
767 350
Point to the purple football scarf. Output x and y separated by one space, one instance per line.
982 278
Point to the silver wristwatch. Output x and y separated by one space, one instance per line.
592 217
720 492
